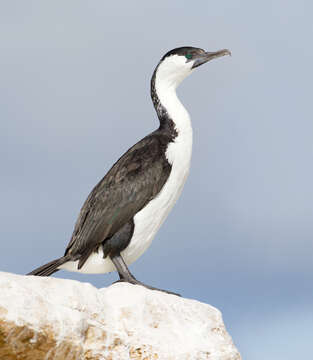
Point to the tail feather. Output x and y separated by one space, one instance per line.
50 268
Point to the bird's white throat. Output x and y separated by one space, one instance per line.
170 73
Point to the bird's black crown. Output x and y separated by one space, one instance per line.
188 51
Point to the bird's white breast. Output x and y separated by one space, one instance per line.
150 218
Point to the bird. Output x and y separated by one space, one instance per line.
124 211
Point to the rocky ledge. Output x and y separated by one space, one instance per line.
55 319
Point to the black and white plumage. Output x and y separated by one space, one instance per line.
124 211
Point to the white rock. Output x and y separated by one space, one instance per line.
49 318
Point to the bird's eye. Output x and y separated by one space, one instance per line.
188 56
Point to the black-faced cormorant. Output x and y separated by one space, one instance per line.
124 211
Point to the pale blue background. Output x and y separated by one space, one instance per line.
74 95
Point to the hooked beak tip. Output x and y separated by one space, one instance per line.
219 53
210 56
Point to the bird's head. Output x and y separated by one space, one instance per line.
178 63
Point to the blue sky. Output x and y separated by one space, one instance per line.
74 95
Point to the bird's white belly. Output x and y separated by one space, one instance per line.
150 218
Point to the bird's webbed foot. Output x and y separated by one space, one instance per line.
126 275
136 282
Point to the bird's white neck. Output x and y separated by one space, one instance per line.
175 110
168 107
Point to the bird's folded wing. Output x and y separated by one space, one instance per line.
129 185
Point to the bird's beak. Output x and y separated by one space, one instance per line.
207 56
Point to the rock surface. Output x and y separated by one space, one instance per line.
55 319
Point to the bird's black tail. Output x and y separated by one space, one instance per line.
50 268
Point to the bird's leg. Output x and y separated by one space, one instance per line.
122 269
126 276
